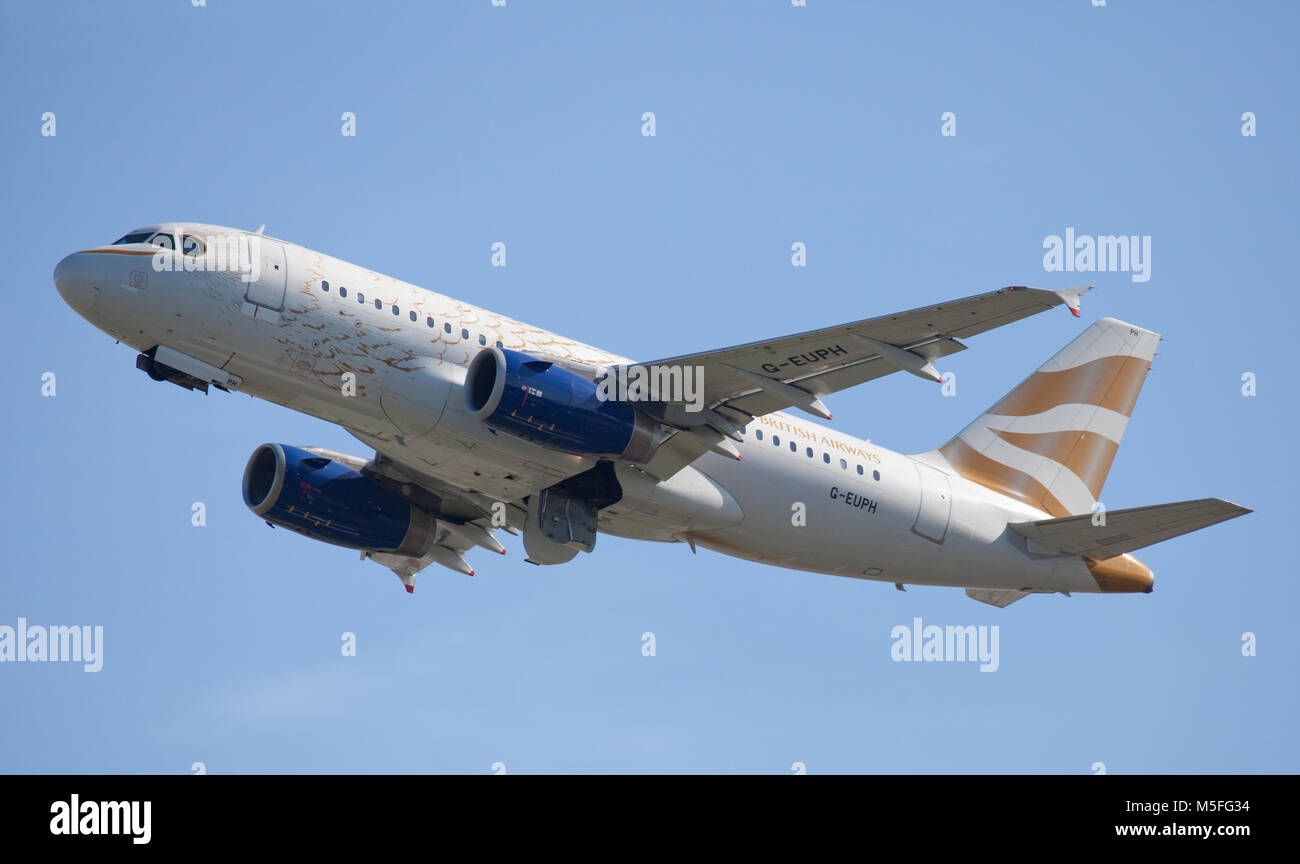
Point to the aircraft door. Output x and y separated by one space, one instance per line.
936 503
267 290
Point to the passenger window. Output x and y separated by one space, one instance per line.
844 464
325 286
361 297
464 334
413 315
482 340
758 433
809 452
826 457
776 440
446 327
859 469
191 245
794 448
875 475
499 345
429 320
343 292
396 309
379 304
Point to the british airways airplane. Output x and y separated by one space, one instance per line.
479 422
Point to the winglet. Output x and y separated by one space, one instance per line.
1070 297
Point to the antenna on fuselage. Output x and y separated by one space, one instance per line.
260 230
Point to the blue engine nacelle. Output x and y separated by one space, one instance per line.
546 404
325 500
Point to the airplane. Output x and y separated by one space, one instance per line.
479 422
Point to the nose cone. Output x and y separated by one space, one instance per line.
76 282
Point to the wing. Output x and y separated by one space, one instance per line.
751 380
464 520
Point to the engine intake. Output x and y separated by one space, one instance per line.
328 501
534 399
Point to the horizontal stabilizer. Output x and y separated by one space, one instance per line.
999 597
1126 530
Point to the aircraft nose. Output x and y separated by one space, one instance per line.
76 282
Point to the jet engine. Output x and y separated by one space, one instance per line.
326 500
537 400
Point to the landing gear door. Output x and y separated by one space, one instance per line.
267 290
559 526
936 503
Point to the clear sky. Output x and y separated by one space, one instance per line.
774 125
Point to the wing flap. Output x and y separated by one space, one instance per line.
674 455
762 402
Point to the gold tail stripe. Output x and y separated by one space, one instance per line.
1108 382
978 468
1086 454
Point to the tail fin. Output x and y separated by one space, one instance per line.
1050 442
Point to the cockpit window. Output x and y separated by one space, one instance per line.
137 237
191 245
162 240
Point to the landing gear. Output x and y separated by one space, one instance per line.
161 372
562 519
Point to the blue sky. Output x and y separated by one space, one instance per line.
775 124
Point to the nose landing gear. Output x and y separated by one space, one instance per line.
155 368
162 372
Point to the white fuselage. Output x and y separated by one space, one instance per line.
851 508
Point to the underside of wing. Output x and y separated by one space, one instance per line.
751 380
461 520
